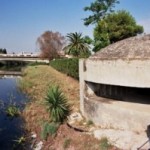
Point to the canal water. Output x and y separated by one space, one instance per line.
11 129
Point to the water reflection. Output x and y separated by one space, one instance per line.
10 128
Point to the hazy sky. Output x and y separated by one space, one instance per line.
23 21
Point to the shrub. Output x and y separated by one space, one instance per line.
66 143
104 144
57 105
67 66
49 129
89 122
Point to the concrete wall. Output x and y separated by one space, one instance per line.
114 114
133 73
117 114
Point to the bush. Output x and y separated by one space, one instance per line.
89 122
104 144
67 66
49 129
57 105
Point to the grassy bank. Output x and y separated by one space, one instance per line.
35 83
37 79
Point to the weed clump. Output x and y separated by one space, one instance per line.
49 129
12 111
66 143
104 144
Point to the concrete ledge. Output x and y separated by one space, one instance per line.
111 114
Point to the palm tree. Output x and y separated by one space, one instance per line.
77 45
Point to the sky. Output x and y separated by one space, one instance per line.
23 21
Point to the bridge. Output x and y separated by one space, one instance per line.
10 73
23 58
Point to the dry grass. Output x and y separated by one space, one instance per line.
38 78
35 82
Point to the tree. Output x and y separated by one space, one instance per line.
50 44
99 8
77 45
114 27
101 38
87 40
3 51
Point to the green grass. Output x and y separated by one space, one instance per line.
104 144
49 129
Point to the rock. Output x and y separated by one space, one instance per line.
75 117
39 146
91 129
33 135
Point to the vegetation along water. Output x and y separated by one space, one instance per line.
12 101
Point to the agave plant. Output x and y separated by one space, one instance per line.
57 105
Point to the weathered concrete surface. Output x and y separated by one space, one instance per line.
125 140
116 114
81 85
133 73
127 64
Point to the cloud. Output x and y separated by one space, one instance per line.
146 24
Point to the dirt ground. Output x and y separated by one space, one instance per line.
35 82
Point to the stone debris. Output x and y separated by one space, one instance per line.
123 139
33 135
39 146
75 117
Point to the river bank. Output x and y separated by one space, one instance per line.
12 102
35 82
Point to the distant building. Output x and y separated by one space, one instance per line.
31 54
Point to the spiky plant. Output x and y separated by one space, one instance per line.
57 105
